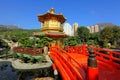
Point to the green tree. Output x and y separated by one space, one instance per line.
26 42
94 39
83 33
71 41
107 34
111 35
116 36
38 42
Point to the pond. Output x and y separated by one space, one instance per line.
7 72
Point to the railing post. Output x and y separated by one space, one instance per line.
84 49
92 70
110 55
55 71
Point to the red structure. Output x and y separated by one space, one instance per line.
79 64
32 51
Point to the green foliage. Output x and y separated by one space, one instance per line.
111 35
94 39
105 44
71 41
38 43
15 33
35 42
116 38
28 58
26 42
91 42
83 33
107 33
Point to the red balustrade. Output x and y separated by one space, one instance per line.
67 66
64 61
107 56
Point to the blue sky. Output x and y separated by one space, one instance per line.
23 13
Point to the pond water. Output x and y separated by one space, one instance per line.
7 72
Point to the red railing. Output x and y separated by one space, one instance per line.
63 63
78 49
107 56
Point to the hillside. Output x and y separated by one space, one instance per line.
106 24
13 32
6 28
9 26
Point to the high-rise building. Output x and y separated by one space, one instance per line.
75 27
99 27
70 30
67 28
94 29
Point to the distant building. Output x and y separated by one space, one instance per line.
67 28
99 27
70 30
75 27
94 29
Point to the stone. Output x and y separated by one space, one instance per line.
44 78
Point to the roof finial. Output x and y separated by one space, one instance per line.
52 10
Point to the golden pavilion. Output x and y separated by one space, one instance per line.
52 26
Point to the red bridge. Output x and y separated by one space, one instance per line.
78 63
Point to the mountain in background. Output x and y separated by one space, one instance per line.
9 26
103 25
100 26
106 24
12 29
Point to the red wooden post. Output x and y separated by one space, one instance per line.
84 49
55 69
92 73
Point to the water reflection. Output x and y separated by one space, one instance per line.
8 73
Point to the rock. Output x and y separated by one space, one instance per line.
45 78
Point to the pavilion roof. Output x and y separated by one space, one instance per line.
51 16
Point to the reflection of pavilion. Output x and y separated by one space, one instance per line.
51 26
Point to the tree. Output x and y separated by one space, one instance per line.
71 41
94 39
116 36
83 33
111 35
107 34
26 42
44 40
